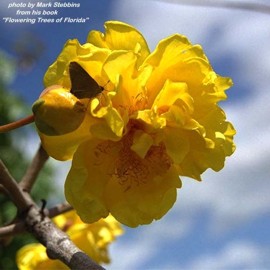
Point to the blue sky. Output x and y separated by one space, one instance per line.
222 222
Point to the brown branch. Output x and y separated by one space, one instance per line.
12 229
256 7
3 190
58 209
33 170
14 191
57 243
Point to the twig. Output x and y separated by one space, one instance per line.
14 191
12 229
3 190
58 209
33 170
22 122
18 226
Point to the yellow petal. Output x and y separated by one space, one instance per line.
151 119
87 55
120 36
63 147
86 180
141 143
143 203
112 117
177 144
121 69
171 92
109 177
34 257
176 59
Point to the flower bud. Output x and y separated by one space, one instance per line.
57 111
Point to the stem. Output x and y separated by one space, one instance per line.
18 227
58 209
17 124
12 229
33 170
14 191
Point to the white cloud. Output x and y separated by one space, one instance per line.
235 255
142 245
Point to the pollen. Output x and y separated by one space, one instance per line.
140 101
130 170
137 103
133 171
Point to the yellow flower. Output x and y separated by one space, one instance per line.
157 119
93 239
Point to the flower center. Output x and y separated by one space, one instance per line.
133 171
136 103
139 102
126 167
130 169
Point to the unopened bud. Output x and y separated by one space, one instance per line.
57 111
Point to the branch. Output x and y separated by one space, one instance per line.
22 122
12 229
57 243
18 226
3 190
12 188
58 209
33 170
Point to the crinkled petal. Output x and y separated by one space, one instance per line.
121 69
113 120
170 93
176 143
88 56
176 59
143 204
86 181
120 36
151 119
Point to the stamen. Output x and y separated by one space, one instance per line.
139 102
129 169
